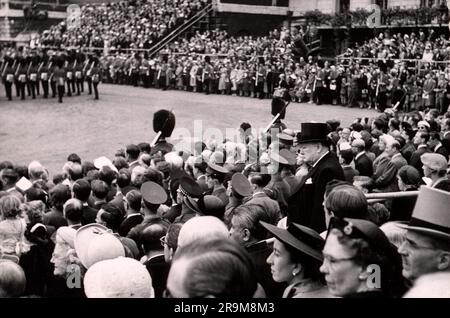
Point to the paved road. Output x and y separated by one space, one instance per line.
47 131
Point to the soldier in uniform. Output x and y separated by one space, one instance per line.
44 74
8 76
86 68
164 122
33 75
52 80
208 72
21 75
96 75
59 77
79 76
70 78
261 73
144 71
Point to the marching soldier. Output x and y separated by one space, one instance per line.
69 76
44 74
52 80
33 75
96 76
86 70
59 76
8 76
21 75
79 76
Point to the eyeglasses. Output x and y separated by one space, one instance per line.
163 241
422 128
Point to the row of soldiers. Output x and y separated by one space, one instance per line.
253 77
63 72
373 85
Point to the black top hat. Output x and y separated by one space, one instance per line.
313 132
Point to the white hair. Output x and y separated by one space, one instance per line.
37 171
202 227
174 160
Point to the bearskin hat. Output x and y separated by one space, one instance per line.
164 121
277 106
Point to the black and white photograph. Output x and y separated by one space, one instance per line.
243 150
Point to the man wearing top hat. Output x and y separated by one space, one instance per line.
426 248
305 205
215 177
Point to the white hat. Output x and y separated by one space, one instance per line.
95 243
100 162
118 278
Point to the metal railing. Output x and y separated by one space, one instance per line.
383 196
182 28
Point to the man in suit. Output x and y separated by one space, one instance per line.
59 194
81 191
73 212
134 217
305 206
215 178
362 162
409 148
396 156
259 181
420 140
133 156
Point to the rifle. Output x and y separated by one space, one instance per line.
400 100
4 69
29 67
276 117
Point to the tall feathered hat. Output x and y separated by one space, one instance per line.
163 124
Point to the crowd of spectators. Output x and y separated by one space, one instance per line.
372 75
135 24
168 204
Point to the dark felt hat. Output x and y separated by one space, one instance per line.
302 238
